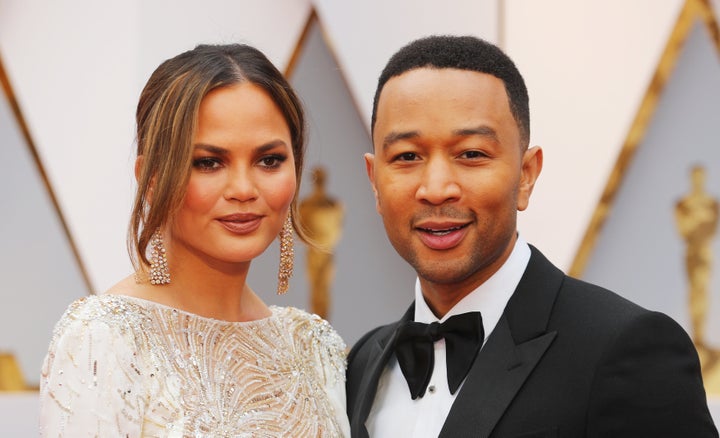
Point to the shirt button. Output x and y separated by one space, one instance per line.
431 389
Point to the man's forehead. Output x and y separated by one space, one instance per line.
431 91
431 74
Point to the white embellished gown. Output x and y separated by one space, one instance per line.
126 367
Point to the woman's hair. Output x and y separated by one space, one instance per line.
167 117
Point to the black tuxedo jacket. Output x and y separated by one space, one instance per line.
566 359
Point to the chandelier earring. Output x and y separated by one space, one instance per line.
159 272
287 254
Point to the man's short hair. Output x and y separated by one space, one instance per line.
463 53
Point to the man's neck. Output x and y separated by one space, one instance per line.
441 298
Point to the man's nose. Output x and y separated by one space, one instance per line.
439 182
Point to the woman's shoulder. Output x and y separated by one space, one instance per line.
309 327
315 337
101 307
113 312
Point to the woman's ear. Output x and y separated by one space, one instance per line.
139 161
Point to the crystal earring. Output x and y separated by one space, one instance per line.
159 272
286 256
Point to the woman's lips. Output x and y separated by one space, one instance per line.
442 238
241 223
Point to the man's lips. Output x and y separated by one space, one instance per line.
442 235
441 230
241 223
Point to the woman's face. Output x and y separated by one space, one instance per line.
242 180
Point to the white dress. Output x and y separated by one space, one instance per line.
126 367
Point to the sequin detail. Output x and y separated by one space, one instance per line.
143 369
159 271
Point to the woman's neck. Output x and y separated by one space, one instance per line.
204 287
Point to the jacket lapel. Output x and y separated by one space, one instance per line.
496 377
511 352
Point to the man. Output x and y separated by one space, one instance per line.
548 355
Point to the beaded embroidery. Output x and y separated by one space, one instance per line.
156 371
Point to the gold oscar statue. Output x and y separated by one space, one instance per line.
696 216
322 217
11 378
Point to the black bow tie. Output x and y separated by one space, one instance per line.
463 336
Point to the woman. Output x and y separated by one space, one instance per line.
185 347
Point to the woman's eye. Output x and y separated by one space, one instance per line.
272 161
206 163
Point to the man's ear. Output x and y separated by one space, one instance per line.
370 168
532 163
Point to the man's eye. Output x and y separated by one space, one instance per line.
473 154
406 156
206 163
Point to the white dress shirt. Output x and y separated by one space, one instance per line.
394 413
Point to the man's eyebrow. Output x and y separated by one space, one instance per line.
393 137
482 130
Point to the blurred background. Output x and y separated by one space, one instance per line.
625 101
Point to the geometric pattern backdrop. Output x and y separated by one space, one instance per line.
38 264
639 252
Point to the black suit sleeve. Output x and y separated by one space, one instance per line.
357 363
648 384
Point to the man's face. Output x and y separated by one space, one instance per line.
449 173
